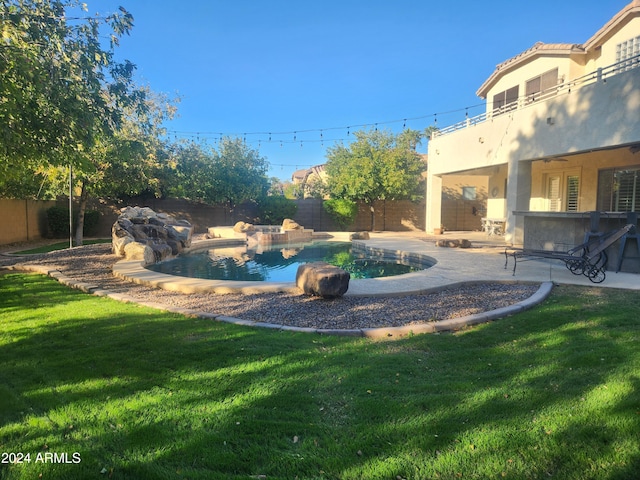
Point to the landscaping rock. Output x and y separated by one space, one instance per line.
161 234
289 224
242 227
139 251
322 280
359 236
453 243
161 251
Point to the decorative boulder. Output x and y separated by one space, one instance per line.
453 243
141 234
119 243
359 236
322 280
289 224
139 251
242 227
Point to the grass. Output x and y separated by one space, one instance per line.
136 393
59 246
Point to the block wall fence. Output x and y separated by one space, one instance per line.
26 220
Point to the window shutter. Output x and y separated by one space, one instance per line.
549 80
627 192
605 190
512 96
573 192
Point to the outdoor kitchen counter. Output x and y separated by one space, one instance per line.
563 230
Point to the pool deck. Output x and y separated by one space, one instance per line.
484 262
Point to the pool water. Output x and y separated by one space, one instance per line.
278 263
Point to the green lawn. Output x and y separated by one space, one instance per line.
129 392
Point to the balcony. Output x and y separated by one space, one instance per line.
566 88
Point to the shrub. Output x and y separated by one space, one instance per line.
272 210
58 221
91 220
343 211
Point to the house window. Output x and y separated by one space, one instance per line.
554 200
573 192
562 192
619 189
505 101
541 86
469 193
627 51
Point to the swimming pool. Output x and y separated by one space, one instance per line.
279 263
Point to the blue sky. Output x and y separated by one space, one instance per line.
304 71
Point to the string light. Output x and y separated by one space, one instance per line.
321 140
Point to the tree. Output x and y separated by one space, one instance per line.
128 162
273 209
60 88
343 211
65 102
189 172
240 173
377 166
233 174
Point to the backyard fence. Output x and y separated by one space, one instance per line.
26 220
23 220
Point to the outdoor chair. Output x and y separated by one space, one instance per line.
632 218
588 259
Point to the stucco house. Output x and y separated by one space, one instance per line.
309 179
560 137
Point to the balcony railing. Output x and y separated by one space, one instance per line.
599 75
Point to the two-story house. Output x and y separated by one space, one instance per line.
560 138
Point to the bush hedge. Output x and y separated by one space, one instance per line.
58 221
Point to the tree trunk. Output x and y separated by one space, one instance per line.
82 208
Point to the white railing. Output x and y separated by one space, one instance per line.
599 75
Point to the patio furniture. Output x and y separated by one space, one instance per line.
632 219
594 227
588 259
493 226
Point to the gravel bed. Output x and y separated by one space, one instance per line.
93 264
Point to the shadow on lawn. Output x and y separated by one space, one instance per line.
154 395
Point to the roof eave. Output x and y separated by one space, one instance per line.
538 50
598 38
